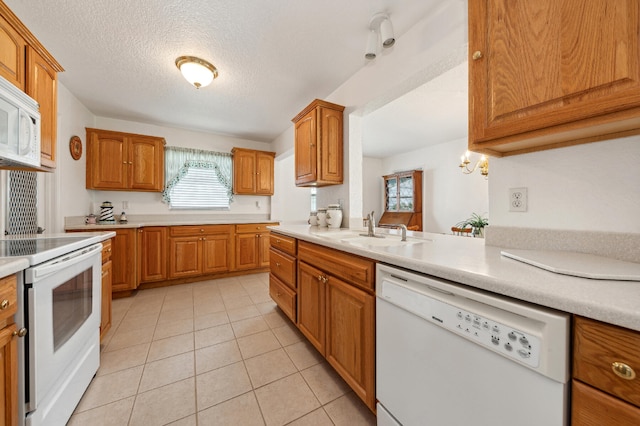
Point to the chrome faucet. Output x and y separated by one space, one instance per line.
371 227
403 231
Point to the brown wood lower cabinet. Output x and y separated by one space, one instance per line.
605 388
8 351
107 276
252 246
124 256
336 312
199 250
152 244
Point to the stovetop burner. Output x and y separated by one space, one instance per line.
31 246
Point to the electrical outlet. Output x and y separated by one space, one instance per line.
125 205
518 199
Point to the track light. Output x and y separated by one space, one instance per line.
386 33
380 29
372 45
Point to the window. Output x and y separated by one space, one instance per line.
197 179
314 201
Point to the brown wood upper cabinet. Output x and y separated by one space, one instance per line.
119 161
318 144
28 65
552 73
252 172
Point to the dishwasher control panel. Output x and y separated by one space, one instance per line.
492 334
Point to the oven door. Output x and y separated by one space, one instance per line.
63 350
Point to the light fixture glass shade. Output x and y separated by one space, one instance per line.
386 33
372 45
196 71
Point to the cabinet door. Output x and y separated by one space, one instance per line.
330 146
105 321
124 256
247 251
107 161
42 86
263 247
185 257
244 172
350 342
311 305
306 151
12 51
264 174
9 375
153 253
216 253
551 63
146 163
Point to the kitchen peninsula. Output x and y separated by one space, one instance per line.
471 262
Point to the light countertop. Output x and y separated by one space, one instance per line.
11 265
469 261
76 223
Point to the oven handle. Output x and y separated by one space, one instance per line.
66 261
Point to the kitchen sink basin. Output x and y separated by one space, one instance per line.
387 241
338 235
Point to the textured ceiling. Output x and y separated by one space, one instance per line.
274 57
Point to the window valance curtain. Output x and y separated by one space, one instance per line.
178 161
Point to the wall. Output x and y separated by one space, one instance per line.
590 187
65 190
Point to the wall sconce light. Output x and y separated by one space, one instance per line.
196 71
380 31
482 163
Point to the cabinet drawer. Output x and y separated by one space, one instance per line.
8 297
597 346
349 267
253 227
283 266
589 406
106 251
191 230
286 244
283 296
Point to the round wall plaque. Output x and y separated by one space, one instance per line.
75 147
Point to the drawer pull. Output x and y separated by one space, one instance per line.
4 304
476 55
623 370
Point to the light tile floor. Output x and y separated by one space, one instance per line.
216 352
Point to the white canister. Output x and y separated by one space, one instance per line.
313 219
334 216
322 217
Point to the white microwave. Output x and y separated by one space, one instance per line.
19 127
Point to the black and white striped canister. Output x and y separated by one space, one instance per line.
106 213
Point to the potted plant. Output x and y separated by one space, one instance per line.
477 223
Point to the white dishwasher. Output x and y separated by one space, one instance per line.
449 355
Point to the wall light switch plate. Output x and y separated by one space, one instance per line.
518 199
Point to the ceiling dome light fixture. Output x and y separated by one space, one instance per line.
196 71
380 24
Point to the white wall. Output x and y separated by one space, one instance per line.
63 193
289 203
593 187
372 187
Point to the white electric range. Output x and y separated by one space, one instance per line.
59 299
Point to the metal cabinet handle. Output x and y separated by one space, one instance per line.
20 333
476 55
623 370
4 304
